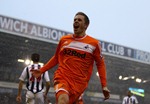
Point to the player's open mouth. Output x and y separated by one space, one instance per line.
76 25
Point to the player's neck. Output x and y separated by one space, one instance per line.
79 35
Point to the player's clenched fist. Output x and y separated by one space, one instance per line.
106 93
18 99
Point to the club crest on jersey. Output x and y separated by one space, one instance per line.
86 47
74 53
89 48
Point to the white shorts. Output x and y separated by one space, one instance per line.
37 98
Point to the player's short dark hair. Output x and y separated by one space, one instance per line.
86 18
35 57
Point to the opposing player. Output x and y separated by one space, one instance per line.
130 99
35 94
75 56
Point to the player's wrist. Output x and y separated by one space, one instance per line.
19 95
106 93
105 88
45 94
41 71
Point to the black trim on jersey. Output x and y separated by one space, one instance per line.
32 85
43 80
27 85
37 85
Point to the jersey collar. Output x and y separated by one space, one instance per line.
79 37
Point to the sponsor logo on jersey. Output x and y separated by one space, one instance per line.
74 53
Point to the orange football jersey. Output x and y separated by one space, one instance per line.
75 58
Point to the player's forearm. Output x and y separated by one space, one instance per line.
51 63
20 88
102 73
47 87
103 82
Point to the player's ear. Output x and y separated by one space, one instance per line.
85 26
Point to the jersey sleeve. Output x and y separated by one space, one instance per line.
53 61
46 76
100 63
23 74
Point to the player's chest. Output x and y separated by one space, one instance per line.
77 46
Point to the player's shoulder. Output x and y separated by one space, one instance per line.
92 38
33 66
28 67
125 97
133 96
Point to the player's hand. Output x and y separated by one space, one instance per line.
36 73
18 99
47 101
106 93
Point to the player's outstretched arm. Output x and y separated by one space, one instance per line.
36 73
